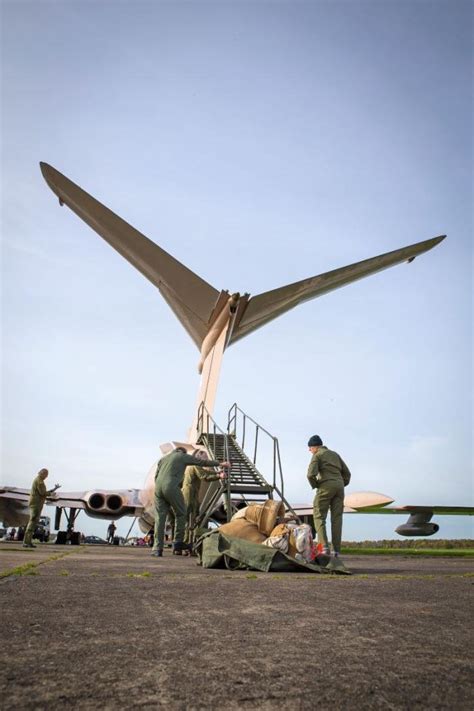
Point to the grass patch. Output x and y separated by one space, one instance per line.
64 572
433 552
30 568
58 556
145 574
251 576
27 569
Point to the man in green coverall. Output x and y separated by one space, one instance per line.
38 496
329 474
191 484
168 480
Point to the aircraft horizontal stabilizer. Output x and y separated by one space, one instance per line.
264 307
191 298
204 311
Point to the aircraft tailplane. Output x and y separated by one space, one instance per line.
266 306
191 298
204 311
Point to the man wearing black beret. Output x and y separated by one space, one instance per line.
329 474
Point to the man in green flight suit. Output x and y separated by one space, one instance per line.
191 484
38 496
168 480
329 474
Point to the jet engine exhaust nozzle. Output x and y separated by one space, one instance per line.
97 502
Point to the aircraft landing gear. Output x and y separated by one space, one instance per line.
69 535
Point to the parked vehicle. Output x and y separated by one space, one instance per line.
94 539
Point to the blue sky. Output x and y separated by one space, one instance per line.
259 143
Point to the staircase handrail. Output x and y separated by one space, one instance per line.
204 413
232 424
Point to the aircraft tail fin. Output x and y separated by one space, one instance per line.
266 306
191 298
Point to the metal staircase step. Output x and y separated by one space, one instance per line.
244 480
242 489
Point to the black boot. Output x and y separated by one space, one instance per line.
179 547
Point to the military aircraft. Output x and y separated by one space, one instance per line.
215 320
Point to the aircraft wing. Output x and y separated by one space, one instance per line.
419 517
440 510
371 502
191 298
367 500
266 306
98 503
14 510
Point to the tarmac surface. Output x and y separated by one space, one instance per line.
112 627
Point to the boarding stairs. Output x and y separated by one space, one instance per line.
241 445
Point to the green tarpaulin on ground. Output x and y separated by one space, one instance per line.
217 550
